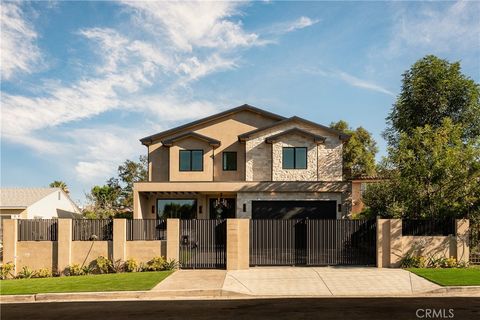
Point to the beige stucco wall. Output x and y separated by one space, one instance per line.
191 144
85 252
226 130
143 251
36 255
436 246
259 155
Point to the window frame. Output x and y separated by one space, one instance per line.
295 158
224 153
191 160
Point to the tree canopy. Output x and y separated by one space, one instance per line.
60 184
433 89
359 152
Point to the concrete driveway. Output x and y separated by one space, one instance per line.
299 281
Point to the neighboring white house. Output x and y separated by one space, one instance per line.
36 203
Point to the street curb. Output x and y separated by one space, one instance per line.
457 289
119 295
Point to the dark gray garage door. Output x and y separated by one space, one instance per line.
294 209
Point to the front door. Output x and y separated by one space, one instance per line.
222 208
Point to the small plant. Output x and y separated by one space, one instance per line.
156 264
463 264
118 266
6 270
142 267
131 265
89 269
26 273
171 264
74 270
413 262
42 273
449 263
103 265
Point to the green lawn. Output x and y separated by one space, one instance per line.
103 282
451 277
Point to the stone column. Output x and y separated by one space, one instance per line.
10 237
238 242
173 239
396 249
462 227
119 239
64 244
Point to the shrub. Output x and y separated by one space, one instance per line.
26 273
88 269
102 265
413 262
42 273
118 266
156 264
171 264
74 270
449 262
142 267
131 265
6 270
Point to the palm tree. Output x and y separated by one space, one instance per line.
60 184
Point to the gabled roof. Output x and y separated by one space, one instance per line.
210 141
148 140
23 197
316 138
342 136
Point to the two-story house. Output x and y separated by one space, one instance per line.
246 163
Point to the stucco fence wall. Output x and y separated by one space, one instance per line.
392 247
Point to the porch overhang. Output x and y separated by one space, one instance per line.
243 186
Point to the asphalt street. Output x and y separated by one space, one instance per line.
298 308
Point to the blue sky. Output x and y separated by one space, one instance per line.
83 81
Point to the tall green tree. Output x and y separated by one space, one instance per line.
104 201
60 184
359 152
433 89
130 172
437 175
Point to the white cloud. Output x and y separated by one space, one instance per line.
362 83
440 28
349 79
286 27
19 52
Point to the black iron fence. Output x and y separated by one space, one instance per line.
420 227
146 229
92 229
474 242
312 242
37 230
203 243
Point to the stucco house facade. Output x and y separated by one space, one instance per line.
36 203
245 163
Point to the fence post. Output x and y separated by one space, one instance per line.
238 244
173 239
462 227
119 239
396 249
64 244
10 238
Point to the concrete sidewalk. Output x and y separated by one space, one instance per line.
291 281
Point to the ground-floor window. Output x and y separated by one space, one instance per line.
177 208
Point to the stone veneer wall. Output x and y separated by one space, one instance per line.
328 163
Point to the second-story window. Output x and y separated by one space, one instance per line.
294 158
191 160
229 161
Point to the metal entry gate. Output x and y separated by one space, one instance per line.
312 242
203 244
